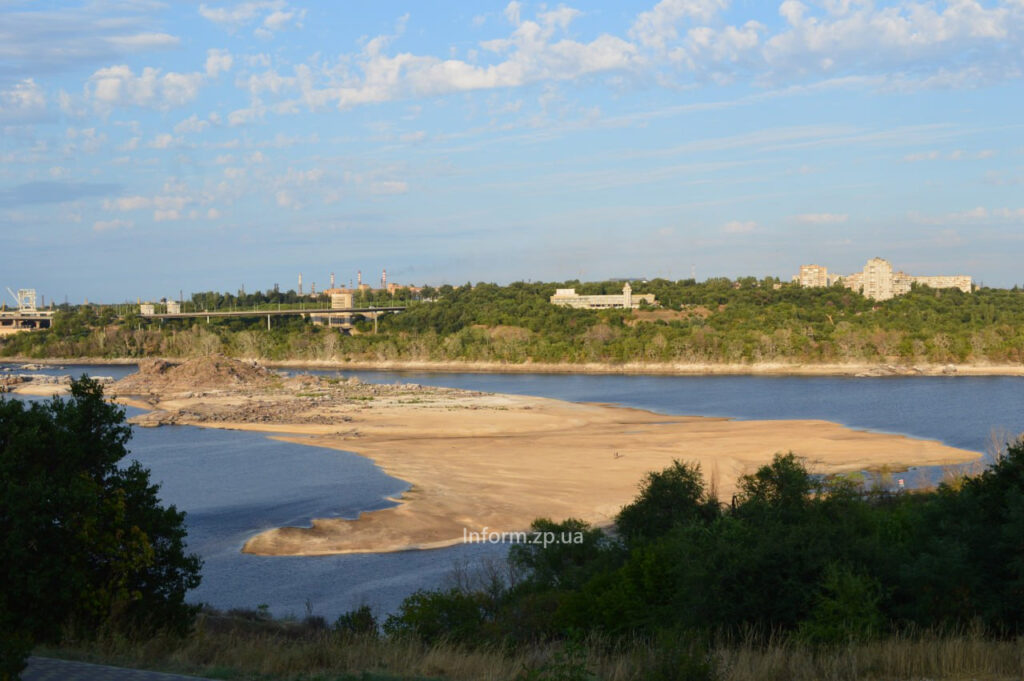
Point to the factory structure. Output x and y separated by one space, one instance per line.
878 281
26 316
567 297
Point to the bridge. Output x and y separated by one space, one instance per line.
13 321
26 317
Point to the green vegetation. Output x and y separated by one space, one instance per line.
86 544
239 647
717 321
796 578
820 562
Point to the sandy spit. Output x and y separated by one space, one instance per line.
481 462
500 469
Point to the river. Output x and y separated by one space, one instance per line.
234 484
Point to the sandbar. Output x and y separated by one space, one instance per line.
489 462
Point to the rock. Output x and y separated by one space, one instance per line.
948 370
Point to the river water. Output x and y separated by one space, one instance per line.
234 484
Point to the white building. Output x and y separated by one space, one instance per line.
878 281
567 297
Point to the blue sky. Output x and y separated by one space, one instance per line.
149 147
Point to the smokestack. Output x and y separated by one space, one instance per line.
312 289
300 283
384 279
332 279
359 278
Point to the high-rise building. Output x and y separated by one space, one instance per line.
878 281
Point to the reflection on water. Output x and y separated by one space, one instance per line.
234 484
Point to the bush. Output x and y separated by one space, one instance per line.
432 616
84 541
358 622
667 498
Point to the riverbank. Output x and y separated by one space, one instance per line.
483 462
853 369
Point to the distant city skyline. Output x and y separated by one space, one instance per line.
150 148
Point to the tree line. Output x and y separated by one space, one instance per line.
716 321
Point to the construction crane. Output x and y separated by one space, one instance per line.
25 299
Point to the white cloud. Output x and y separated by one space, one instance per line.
191 124
166 215
739 227
279 20
718 51
143 41
955 155
241 14
885 38
532 53
24 100
417 136
110 225
513 12
977 214
165 207
657 26
389 187
247 115
213 214
128 203
84 139
164 141
821 218
217 62
269 81
285 199
272 16
921 156
120 86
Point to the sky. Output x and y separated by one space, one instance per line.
152 147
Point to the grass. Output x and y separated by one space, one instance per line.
255 648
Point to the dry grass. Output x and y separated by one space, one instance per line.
239 650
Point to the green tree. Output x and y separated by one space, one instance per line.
84 541
667 498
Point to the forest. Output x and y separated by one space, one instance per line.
744 321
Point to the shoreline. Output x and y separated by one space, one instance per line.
477 460
586 462
849 370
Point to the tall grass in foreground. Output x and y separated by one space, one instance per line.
234 649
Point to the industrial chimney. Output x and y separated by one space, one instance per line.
300 283
384 280
332 279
